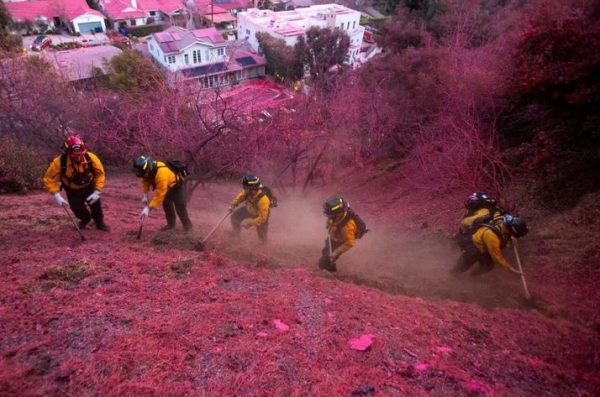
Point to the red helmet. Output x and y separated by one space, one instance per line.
75 147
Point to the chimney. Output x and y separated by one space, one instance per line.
134 3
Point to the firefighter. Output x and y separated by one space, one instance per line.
81 174
486 244
168 191
256 211
343 228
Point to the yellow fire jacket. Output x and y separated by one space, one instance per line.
345 235
163 180
256 205
467 221
52 179
487 241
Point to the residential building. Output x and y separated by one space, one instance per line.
204 56
76 65
289 25
75 15
126 13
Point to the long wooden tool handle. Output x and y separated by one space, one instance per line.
74 223
139 235
216 226
527 294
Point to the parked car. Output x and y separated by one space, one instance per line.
41 42
118 38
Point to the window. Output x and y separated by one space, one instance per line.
151 47
132 22
171 59
152 13
220 51
354 25
196 56
186 59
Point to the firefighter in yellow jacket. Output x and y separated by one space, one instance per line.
486 244
342 232
256 211
81 174
480 208
168 191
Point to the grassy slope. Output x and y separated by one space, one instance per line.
118 316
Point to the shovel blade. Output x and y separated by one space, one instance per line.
76 243
200 246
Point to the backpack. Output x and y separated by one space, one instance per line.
266 191
492 224
361 226
77 178
178 167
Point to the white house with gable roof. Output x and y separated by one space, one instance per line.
177 48
76 15
289 25
205 56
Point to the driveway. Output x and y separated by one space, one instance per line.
64 37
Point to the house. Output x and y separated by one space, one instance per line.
45 15
289 25
76 66
124 13
231 6
204 56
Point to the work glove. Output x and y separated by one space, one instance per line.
59 200
145 212
92 198
246 224
333 258
231 208
145 199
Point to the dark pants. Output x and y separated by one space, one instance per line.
471 255
242 213
175 202
79 206
324 261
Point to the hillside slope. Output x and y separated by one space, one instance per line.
152 317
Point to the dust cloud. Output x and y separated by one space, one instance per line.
387 257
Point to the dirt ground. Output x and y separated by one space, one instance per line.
114 315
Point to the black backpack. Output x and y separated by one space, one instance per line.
361 226
266 191
178 167
488 222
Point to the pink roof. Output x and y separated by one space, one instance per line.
30 10
166 6
210 33
233 4
122 9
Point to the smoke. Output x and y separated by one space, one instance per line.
409 263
